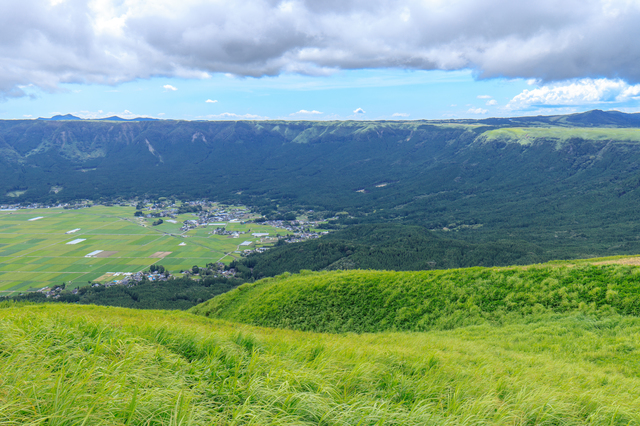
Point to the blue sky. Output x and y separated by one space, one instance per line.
333 60
375 94
346 95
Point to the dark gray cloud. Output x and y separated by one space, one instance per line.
48 42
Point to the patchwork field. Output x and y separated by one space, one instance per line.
39 253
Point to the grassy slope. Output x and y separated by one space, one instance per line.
528 135
72 365
370 301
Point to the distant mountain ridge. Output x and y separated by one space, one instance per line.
69 117
593 118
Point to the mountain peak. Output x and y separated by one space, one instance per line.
61 117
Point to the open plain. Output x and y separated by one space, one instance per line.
37 253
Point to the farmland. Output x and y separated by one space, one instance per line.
107 240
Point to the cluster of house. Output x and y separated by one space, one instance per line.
223 231
130 279
14 207
303 236
256 250
301 230
52 292
164 213
216 270
216 217
296 226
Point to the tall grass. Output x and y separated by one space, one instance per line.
75 365
372 301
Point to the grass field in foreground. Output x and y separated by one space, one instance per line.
35 254
75 365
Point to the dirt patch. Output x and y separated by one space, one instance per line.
106 254
103 277
161 254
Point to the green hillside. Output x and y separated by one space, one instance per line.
567 184
80 365
372 301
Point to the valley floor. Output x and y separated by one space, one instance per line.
88 365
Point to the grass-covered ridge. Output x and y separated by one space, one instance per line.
528 135
372 301
75 365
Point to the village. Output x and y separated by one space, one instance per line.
156 273
216 219
209 214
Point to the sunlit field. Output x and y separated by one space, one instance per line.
74 365
36 253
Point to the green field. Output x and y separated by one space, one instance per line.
89 365
528 135
35 254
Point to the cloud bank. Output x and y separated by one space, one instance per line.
577 92
306 112
46 43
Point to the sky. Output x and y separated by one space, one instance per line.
317 60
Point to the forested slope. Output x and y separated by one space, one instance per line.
569 184
385 246
173 294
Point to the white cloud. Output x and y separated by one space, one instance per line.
492 102
233 116
477 111
400 114
305 112
359 111
484 97
168 87
577 92
210 101
51 42
27 116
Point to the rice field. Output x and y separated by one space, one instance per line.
45 247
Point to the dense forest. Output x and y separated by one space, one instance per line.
567 184
385 246
175 293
